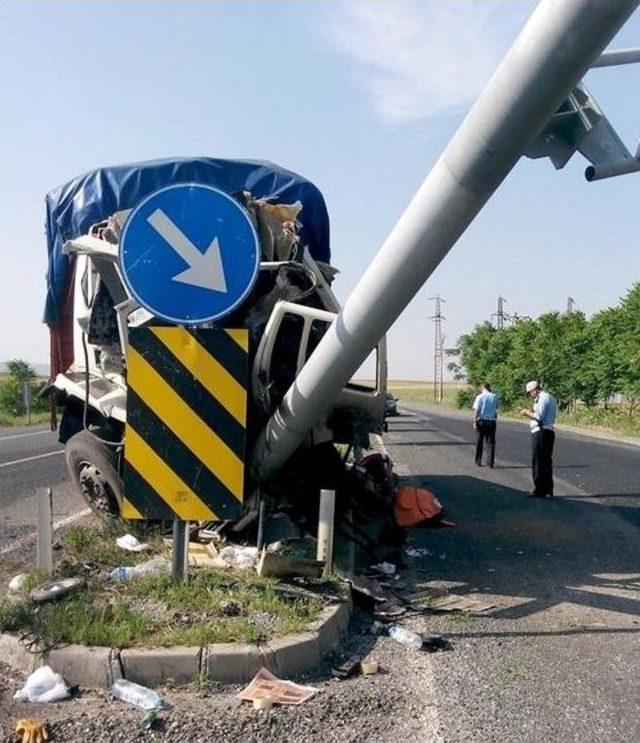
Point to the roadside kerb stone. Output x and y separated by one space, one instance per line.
234 662
328 628
81 665
153 666
14 653
295 654
226 663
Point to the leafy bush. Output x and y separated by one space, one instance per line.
464 398
12 390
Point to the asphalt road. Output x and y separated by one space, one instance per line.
554 660
31 459
557 658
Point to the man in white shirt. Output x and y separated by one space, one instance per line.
542 422
485 415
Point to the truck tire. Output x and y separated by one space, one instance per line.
93 469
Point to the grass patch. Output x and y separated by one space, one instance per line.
513 674
21 420
423 392
461 618
211 606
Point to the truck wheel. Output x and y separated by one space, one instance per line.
93 470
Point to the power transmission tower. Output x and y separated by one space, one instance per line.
570 303
500 315
438 349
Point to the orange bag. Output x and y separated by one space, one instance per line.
415 505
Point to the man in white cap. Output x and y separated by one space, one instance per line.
543 418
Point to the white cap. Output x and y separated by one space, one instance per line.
531 386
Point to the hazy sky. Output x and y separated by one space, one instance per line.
360 97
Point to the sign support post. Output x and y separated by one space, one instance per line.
180 544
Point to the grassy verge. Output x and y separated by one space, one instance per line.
210 606
423 392
611 421
20 420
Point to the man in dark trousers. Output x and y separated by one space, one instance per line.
485 415
542 422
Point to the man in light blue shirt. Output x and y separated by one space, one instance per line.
485 415
542 422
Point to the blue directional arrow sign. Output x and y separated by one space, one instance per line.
189 253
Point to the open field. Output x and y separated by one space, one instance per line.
612 421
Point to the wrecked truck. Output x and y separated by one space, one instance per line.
90 312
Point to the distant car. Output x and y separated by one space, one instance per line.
390 405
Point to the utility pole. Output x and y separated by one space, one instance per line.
570 302
438 349
500 314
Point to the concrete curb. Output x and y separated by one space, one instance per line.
99 667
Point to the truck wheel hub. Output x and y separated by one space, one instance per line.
96 489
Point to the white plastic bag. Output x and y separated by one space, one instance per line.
43 685
131 544
16 583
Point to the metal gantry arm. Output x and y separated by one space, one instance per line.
557 46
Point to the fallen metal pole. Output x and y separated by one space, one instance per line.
552 53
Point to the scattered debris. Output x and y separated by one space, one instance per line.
369 667
31 730
136 695
386 568
275 565
202 555
43 685
131 544
453 602
55 589
417 552
392 608
405 637
16 583
242 558
416 507
263 704
347 669
150 567
435 643
366 592
278 527
265 685
150 719
230 609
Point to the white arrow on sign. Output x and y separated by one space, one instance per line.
205 269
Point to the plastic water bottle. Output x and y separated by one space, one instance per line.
121 574
405 637
138 696
150 567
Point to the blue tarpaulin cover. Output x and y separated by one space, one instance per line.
74 207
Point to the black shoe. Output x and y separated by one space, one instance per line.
479 464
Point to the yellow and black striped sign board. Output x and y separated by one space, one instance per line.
186 423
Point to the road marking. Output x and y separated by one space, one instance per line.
26 541
22 435
31 459
205 269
